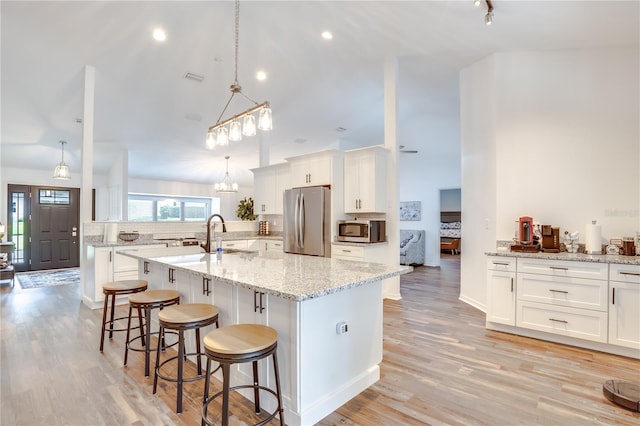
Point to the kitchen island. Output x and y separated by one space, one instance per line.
328 314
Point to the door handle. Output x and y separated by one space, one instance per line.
146 267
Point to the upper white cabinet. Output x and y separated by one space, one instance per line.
365 189
269 183
312 169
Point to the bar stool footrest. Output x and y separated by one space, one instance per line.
151 348
175 379
234 388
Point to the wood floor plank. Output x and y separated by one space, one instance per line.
440 367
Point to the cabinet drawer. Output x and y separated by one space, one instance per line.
350 252
624 273
563 291
506 264
564 268
579 323
235 244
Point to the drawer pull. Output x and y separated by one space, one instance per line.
560 268
346 251
557 320
558 291
146 267
501 263
635 274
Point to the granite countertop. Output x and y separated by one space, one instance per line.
351 243
577 257
289 276
148 239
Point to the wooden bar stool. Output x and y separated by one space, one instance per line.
113 290
235 344
189 316
146 301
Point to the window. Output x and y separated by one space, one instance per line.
151 208
54 196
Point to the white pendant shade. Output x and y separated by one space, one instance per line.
211 140
249 126
235 131
223 137
226 186
62 170
264 121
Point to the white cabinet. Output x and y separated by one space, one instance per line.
269 184
365 180
270 246
501 290
624 307
563 297
235 244
311 170
108 265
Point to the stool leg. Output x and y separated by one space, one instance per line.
113 313
277 376
256 390
140 325
155 370
180 366
225 394
147 349
126 341
104 321
206 381
198 352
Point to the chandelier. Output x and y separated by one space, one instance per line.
226 187
219 134
62 170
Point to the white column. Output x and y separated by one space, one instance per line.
86 185
391 286
264 145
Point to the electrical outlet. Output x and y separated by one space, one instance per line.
342 327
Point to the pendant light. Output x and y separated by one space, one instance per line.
226 186
62 170
218 135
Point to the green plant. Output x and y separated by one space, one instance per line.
245 209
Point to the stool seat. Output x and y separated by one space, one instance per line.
188 315
125 286
111 290
240 339
152 297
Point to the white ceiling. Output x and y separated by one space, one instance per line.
144 105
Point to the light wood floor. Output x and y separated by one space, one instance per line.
440 367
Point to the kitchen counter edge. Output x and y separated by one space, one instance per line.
575 257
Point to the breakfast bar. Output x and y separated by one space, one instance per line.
327 312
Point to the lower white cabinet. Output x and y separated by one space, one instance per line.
501 290
624 306
582 303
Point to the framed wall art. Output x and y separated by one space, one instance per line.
410 210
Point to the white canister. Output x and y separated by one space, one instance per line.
112 232
593 238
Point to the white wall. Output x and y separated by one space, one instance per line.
554 135
429 123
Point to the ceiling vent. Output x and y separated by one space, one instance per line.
195 77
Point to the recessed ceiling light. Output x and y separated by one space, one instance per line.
261 75
159 34
326 35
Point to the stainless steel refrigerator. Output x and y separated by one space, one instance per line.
307 215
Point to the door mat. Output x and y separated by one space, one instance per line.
48 278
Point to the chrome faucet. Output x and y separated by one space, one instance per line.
207 245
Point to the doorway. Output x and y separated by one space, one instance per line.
450 221
43 224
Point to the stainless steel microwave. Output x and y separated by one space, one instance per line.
362 231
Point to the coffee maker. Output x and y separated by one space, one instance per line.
550 239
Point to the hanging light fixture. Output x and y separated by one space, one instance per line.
226 186
62 170
218 133
488 18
